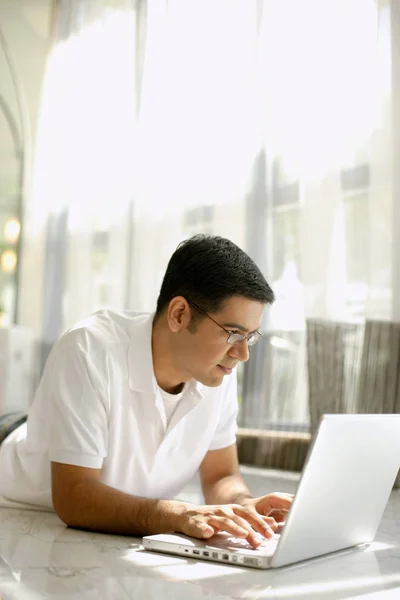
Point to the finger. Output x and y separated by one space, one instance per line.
263 525
272 522
200 529
288 496
229 525
278 515
252 523
266 526
251 536
237 519
281 502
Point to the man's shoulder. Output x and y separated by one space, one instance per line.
104 329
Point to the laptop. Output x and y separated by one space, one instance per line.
345 485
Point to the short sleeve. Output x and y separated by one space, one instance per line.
77 403
225 433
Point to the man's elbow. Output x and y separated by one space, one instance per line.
71 492
64 509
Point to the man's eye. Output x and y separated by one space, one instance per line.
233 331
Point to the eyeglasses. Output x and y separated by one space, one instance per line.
233 338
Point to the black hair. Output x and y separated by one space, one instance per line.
207 270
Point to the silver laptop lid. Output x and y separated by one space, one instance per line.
345 486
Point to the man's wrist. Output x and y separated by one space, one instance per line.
176 509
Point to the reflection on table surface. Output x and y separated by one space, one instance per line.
41 558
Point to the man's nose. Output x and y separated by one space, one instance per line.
240 351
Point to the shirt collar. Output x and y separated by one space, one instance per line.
140 359
141 372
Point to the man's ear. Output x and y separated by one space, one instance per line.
178 314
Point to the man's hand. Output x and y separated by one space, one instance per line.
241 521
272 505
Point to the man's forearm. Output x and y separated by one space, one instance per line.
227 490
98 507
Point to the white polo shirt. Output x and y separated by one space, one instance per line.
98 405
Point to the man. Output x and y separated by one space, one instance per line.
131 405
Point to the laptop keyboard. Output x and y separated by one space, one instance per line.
233 544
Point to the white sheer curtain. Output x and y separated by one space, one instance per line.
84 166
199 130
266 122
326 75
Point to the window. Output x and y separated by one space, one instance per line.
286 241
357 236
9 209
198 219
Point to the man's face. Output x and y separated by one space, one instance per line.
205 354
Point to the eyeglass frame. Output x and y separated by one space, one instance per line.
241 336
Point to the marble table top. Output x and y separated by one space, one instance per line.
41 558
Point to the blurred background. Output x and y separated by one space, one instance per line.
128 125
